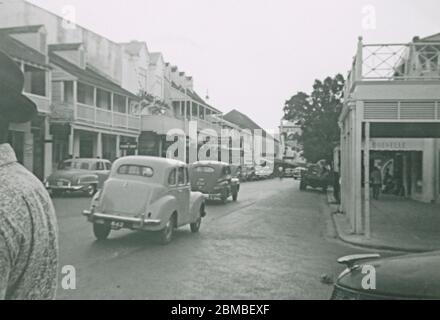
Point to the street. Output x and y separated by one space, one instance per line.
274 243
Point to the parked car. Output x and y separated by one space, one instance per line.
214 179
404 277
237 172
248 173
289 172
78 175
264 170
297 172
146 194
314 176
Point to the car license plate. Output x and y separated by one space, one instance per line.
99 221
117 225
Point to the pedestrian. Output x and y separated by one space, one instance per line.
281 172
336 187
376 182
28 228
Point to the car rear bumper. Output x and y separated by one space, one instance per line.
66 188
120 222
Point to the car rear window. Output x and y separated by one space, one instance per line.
204 169
135 170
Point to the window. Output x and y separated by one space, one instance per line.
34 81
103 99
119 103
181 179
204 169
135 170
172 178
83 166
68 92
108 166
99 166
85 94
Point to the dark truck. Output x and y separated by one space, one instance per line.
315 176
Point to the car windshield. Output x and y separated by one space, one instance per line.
136 170
204 169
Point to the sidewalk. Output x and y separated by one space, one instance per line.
396 223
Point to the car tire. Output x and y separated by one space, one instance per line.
166 235
224 196
195 227
101 231
91 190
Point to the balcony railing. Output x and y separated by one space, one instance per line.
107 118
395 62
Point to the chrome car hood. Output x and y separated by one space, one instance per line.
409 276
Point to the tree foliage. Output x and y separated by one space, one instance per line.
317 114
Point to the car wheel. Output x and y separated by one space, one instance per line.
224 196
101 231
91 190
166 235
195 227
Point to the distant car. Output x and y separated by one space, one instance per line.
265 170
315 177
78 175
248 173
297 172
215 180
412 277
289 172
237 172
146 194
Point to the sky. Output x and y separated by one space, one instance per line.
253 55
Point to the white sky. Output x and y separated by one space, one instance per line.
252 55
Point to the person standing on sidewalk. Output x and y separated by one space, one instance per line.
28 227
376 182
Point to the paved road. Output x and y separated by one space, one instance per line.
274 243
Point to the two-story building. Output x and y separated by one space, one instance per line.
92 116
391 120
27 45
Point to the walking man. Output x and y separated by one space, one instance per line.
28 228
376 181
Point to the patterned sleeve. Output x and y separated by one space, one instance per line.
5 266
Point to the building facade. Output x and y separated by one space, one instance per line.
391 120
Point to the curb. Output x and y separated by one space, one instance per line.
340 237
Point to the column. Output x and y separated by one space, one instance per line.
98 145
71 142
367 180
76 145
28 149
357 168
48 148
118 149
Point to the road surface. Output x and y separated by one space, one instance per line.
274 243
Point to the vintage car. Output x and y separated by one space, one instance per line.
214 179
146 194
297 172
314 176
84 175
264 170
237 172
412 277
